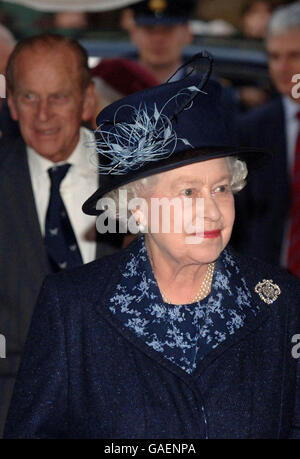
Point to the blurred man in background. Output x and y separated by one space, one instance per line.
45 176
255 16
160 32
267 224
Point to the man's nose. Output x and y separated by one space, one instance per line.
43 110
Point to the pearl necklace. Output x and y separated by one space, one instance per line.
204 289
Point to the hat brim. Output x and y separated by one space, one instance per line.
254 157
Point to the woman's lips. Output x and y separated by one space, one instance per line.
212 234
208 234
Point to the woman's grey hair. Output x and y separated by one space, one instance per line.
143 188
284 19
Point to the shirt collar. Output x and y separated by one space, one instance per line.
79 159
291 108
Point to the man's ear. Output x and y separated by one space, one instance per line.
12 106
89 103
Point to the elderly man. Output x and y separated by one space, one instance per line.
45 176
268 216
161 31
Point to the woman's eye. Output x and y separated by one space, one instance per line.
222 189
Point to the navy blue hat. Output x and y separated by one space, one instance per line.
163 12
159 129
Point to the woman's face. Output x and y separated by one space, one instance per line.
205 224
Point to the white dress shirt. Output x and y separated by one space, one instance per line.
290 109
79 183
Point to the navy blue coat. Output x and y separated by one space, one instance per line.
85 375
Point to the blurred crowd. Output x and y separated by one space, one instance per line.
50 112
234 17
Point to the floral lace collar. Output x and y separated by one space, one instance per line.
184 334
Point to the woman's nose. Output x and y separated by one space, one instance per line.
211 209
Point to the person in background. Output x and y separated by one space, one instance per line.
268 210
109 87
255 16
160 33
45 176
253 23
8 128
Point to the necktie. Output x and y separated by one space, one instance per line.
60 240
294 236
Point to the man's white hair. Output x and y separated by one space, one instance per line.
284 19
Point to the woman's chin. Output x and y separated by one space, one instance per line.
207 251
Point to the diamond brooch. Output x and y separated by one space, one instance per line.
268 291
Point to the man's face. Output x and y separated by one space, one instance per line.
48 100
161 45
284 59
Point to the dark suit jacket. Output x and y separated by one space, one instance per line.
9 129
23 260
262 206
86 375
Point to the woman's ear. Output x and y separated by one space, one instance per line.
140 218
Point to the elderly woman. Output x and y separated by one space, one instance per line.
175 336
